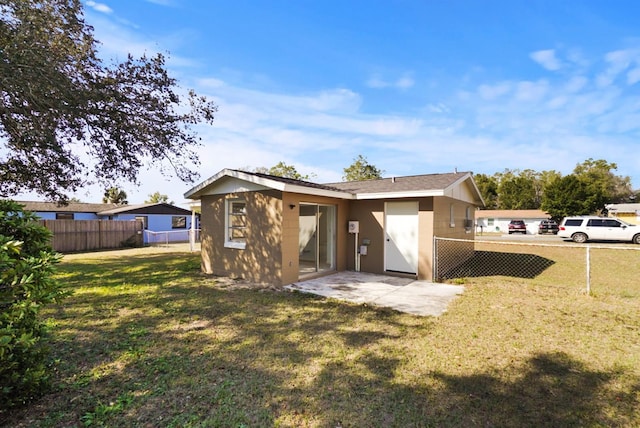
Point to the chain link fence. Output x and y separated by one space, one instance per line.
596 269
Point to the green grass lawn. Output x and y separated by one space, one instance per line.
148 341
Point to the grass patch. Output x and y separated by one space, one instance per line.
146 340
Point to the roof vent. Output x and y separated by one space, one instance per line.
393 179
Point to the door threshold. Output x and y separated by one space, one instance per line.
401 274
313 275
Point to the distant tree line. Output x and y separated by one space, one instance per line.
592 185
587 190
359 170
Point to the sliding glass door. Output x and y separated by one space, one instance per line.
317 238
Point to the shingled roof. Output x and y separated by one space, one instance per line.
411 183
266 181
155 208
76 207
395 187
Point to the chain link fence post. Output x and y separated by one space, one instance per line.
588 270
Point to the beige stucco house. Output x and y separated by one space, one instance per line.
277 230
498 220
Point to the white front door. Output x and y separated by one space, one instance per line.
401 237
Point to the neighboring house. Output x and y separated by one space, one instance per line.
156 218
71 211
629 213
162 222
276 230
498 220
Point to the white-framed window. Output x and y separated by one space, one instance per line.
64 216
235 223
178 222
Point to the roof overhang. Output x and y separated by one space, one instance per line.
229 180
477 195
397 195
232 181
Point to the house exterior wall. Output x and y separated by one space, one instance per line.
271 254
426 216
498 220
291 227
159 223
453 219
155 222
47 215
261 260
371 215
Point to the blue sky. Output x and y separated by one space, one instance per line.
415 86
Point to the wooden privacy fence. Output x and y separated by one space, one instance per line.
87 235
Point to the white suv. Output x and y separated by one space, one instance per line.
582 229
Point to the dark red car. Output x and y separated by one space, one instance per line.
517 226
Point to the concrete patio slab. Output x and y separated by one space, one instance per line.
402 294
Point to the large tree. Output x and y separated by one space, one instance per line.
281 169
603 185
517 190
157 197
114 195
67 119
567 196
488 187
361 170
587 190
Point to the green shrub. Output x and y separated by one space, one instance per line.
26 284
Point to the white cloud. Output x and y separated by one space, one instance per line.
438 108
531 91
491 92
117 41
405 81
211 82
376 82
633 76
99 7
162 2
617 63
547 59
335 100
557 102
576 83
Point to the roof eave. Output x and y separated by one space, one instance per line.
198 191
402 194
465 177
292 188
